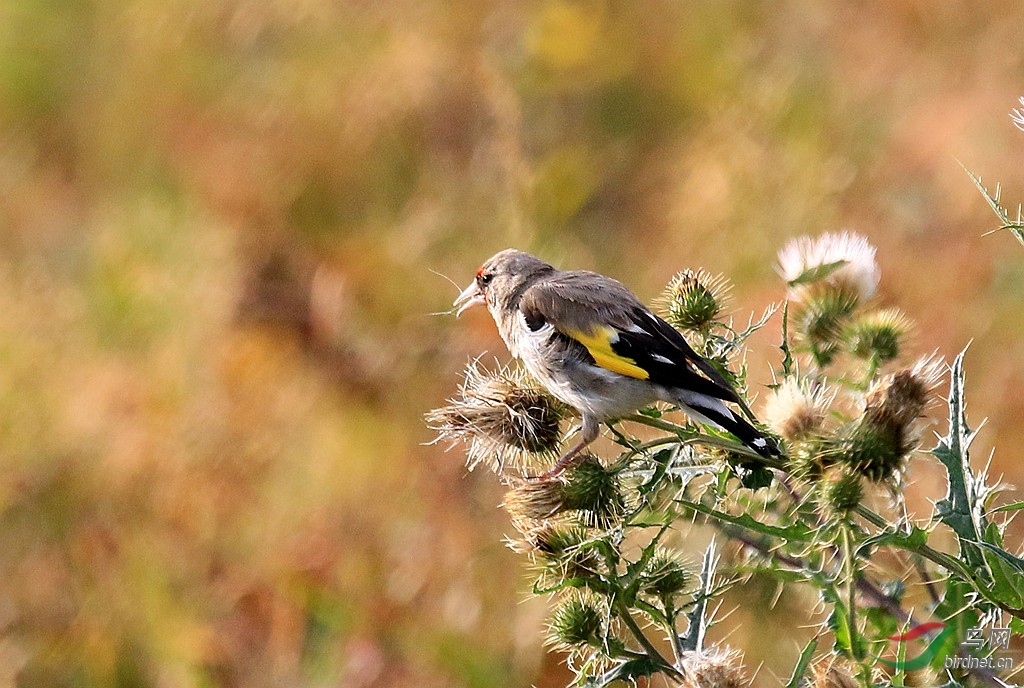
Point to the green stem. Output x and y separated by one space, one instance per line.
642 638
850 570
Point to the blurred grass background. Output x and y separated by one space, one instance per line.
218 222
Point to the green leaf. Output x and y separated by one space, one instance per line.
796 679
818 272
697 616
661 460
1016 506
962 509
1007 575
795 532
916 538
627 671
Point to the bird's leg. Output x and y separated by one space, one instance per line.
589 432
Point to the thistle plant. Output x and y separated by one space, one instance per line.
848 408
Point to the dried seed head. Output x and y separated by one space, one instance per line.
694 299
565 552
903 396
502 416
535 500
839 491
577 622
588 488
665 575
713 667
879 335
833 672
795 412
837 261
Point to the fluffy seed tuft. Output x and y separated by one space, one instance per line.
795 412
502 416
713 667
842 261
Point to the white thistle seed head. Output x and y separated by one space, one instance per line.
841 260
796 412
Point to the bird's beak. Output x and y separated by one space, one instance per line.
471 296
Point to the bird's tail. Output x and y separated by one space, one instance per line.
712 411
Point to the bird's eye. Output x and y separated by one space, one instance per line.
486 278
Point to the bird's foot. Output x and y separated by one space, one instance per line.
564 463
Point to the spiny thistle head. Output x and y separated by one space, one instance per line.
822 321
879 335
502 416
840 261
595 491
713 667
794 411
665 575
694 299
577 622
878 443
588 488
833 672
903 396
806 460
566 551
839 491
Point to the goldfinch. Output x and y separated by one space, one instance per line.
591 343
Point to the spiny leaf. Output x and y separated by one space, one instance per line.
962 509
697 616
795 532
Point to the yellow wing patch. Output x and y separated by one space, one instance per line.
599 343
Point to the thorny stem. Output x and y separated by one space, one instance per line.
850 570
642 638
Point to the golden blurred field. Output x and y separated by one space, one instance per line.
219 226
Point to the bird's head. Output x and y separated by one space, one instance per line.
501 280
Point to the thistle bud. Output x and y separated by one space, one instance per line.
588 488
665 575
694 299
595 491
795 412
712 668
501 416
823 319
839 491
577 622
879 335
565 552
805 460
